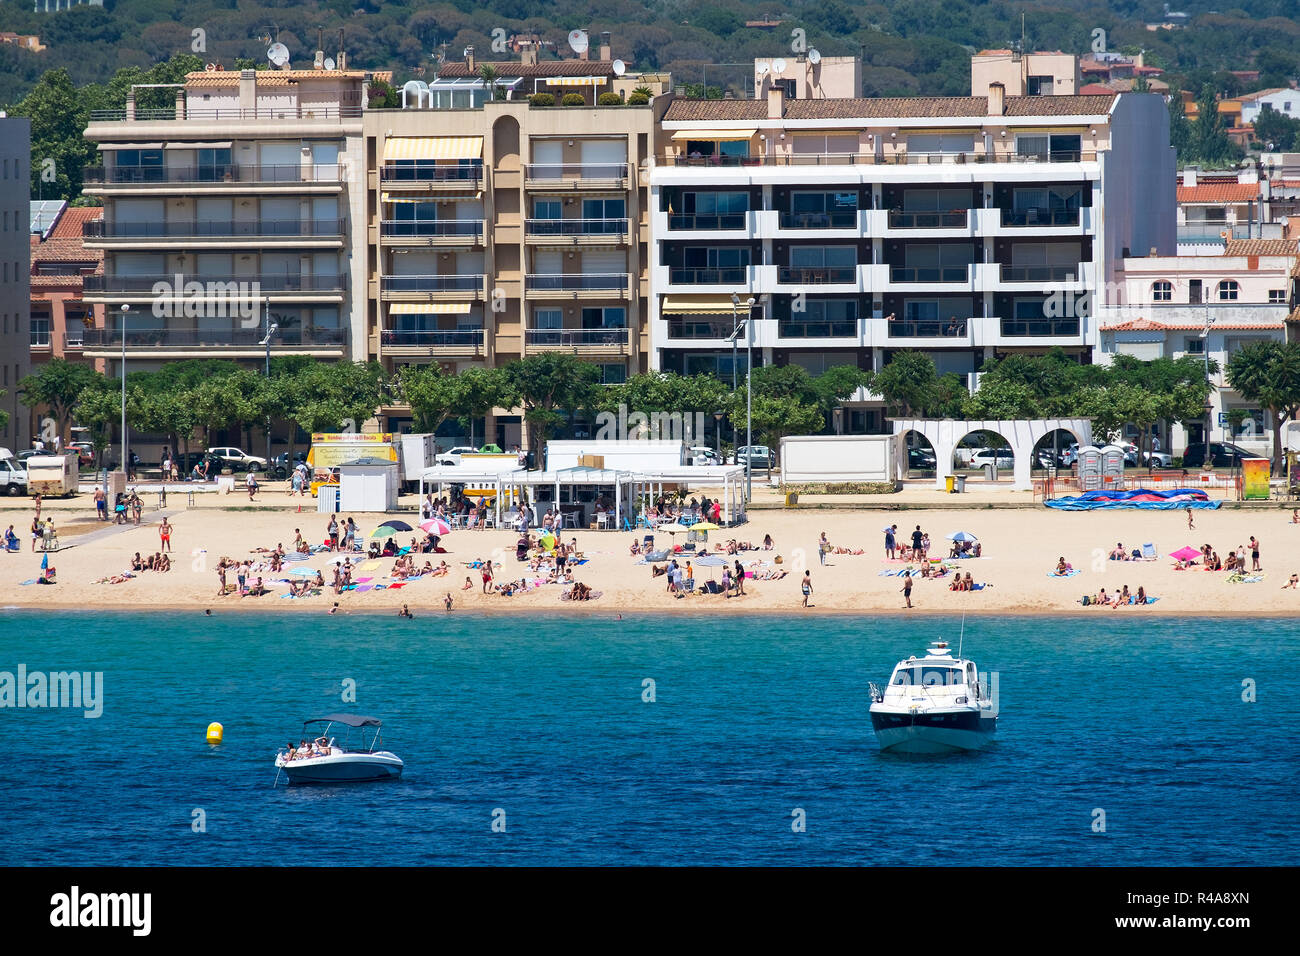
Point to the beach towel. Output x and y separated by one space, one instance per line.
369 566
1237 577
399 584
363 580
27 582
1068 574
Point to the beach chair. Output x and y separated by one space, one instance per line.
1148 552
627 525
648 542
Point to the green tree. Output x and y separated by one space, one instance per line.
56 387
431 393
1180 129
1001 399
1268 373
1210 142
1276 132
909 384
59 114
544 385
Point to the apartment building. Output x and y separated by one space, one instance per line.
60 263
15 271
1216 207
502 230
965 227
227 212
1205 306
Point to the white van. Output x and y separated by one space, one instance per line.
13 477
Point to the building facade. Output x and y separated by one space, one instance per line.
60 263
965 227
15 273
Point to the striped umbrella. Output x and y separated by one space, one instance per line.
436 526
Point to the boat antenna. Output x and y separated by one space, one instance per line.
961 634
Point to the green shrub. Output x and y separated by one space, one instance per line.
638 99
609 99
573 99
542 99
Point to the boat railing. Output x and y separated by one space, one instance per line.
876 695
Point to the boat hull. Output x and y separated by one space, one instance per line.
933 733
342 768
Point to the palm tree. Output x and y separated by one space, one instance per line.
490 76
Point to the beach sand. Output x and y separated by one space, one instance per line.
1021 547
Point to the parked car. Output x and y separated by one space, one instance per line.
921 460
1156 459
1002 458
452 455
1222 455
85 452
702 455
280 466
236 459
758 456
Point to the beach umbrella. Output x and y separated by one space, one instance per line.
383 531
704 526
962 536
711 561
436 526
1185 553
397 525
673 528
547 541
303 572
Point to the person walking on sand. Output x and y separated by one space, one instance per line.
907 589
101 504
891 543
917 538
1191 525
1254 553
807 588
822 547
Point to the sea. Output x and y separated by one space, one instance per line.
557 739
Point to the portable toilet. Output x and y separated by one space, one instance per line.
1089 468
1112 467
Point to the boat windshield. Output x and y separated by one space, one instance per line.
928 676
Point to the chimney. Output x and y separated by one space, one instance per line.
341 62
604 47
997 99
1189 176
775 101
527 53
247 89
469 59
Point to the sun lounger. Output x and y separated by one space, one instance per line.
1148 552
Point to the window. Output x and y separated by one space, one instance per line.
213 165
1194 291
1196 346
614 317
1277 296
1040 85
548 209
1228 290
604 209
1162 291
1054 148
715 204
40 333
548 318
612 374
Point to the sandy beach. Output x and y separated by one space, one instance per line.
1021 547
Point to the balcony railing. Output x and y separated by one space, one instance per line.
799 276
576 337
1040 217
433 338
929 273
432 228
230 114
215 229
836 219
700 328
795 329
731 220
230 287
228 337
926 328
900 219
1039 273
1040 327
708 276
576 227
897 158
445 283
578 282
429 171
220 173
557 172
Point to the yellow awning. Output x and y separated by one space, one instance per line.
697 304
714 135
429 308
433 147
389 197
577 80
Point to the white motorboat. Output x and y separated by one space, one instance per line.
320 759
932 705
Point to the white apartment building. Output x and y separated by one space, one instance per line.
15 268
966 227
244 188
1283 99
1205 306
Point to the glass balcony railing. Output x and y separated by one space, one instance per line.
446 283
735 276
217 173
576 227
430 171
835 219
926 328
233 287
730 220
567 338
433 338
929 273
470 229
215 229
901 219
578 282
557 172
201 337
812 329
787 275
700 328
1040 327
1039 273
1040 217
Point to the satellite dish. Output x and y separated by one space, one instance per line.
210 68
814 57
329 63
578 41
278 54
619 67
778 65
762 68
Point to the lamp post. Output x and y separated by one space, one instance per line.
717 433
749 383
1205 349
270 331
126 465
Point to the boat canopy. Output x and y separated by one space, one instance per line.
351 720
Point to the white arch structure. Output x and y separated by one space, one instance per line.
1021 434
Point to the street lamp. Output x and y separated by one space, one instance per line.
271 329
126 470
717 432
749 383
1205 349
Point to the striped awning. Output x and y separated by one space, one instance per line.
432 147
697 304
389 197
429 308
109 146
225 144
577 80
714 135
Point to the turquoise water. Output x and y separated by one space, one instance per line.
542 717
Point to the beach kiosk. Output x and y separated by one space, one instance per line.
368 484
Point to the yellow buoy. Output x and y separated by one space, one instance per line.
214 733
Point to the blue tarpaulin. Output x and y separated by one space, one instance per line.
1174 499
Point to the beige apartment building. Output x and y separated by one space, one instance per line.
500 230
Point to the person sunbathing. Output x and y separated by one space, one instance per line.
468 585
840 550
1103 597
1141 596
1124 597
1295 578
1118 553
1061 567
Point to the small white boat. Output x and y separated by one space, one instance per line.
932 705
320 759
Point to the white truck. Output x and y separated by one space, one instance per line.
13 476
636 455
53 475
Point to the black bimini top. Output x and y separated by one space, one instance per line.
351 720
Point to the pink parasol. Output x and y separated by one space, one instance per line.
1185 553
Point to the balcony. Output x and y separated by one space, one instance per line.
432 232
1040 328
726 221
700 327
899 219
732 277
551 177
575 285
928 328
812 329
605 341
432 176
1039 273
836 219
1041 217
460 342
416 287
930 273
211 231
218 176
576 232
898 157
250 340
228 114
226 288
791 275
